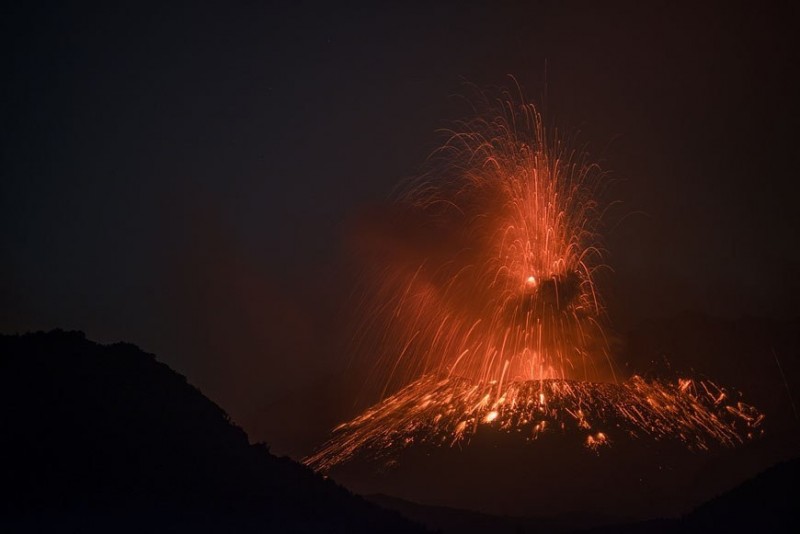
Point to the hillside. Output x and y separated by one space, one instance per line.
105 438
765 503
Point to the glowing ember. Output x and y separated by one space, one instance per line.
500 323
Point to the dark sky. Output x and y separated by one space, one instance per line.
180 176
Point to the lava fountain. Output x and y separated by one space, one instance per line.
496 318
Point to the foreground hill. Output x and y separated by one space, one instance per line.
106 439
766 503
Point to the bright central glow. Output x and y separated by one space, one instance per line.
512 204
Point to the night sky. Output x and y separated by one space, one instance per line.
183 176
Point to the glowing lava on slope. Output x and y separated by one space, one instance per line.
447 411
497 319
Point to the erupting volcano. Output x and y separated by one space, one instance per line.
490 315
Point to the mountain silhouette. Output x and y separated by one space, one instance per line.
765 503
107 439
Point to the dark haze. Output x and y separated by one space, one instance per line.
183 176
